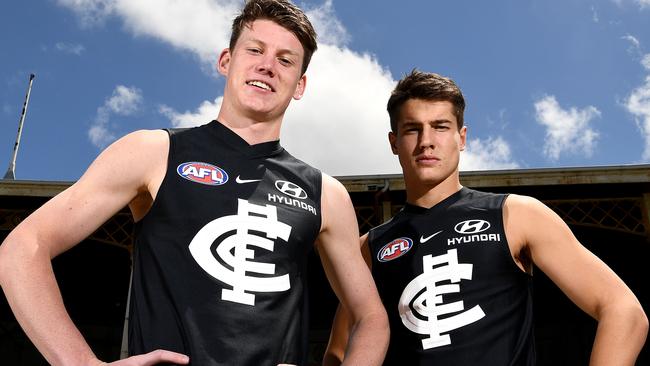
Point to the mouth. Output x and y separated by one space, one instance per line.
260 84
426 159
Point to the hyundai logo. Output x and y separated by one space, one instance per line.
471 226
290 189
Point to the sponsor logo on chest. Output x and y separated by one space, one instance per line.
203 173
293 195
394 249
473 231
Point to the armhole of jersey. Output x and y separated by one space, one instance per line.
371 254
170 132
319 203
502 205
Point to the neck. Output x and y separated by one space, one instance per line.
427 195
252 130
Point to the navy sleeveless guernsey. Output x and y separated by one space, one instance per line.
453 293
220 270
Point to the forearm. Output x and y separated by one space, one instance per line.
338 341
368 340
621 334
29 284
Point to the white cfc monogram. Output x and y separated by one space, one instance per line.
235 251
425 292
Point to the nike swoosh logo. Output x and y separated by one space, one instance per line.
424 240
243 181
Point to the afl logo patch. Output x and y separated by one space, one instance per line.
203 173
394 249
290 189
472 226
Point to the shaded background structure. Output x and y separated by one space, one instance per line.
608 208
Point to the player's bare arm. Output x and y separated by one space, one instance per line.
350 278
335 352
535 231
124 172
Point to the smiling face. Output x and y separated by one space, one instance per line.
428 143
263 72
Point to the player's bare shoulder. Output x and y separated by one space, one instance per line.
132 168
528 222
133 159
335 202
152 145
333 193
332 187
520 216
148 151
523 210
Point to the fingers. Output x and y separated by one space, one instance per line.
161 355
154 358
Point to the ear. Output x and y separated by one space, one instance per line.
392 139
300 88
224 62
463 137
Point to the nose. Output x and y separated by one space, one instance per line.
266 65
426 139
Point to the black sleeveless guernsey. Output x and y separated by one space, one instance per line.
221 257
453 293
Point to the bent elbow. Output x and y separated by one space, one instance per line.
643 322
14 252
6 258
637 321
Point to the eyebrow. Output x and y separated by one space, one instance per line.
409 122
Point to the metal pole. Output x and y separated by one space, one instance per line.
11 174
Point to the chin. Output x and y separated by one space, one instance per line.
258 110
424 179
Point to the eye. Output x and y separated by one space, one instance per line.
410 130
254 50
441 126
285 61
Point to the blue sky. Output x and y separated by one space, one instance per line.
547 83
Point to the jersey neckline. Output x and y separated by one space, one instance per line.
451 199
237 143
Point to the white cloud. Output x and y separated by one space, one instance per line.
73 48
329 29
488 154
124 101
638 103
635 45
90 12
645 61
339 126
567 131
206 112
199 26
641 3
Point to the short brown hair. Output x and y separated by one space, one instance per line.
426 86
286 15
